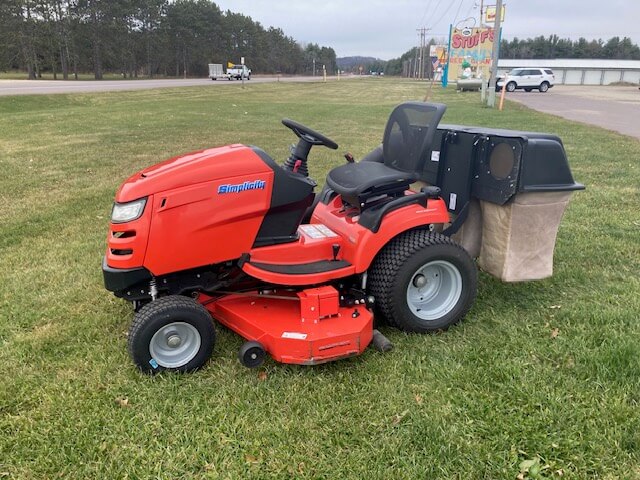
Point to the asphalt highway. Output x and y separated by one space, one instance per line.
39 87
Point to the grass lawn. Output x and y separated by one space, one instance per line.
546 371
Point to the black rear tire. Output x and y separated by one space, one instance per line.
544 86
173 333
423 282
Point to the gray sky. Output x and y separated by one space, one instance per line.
387 28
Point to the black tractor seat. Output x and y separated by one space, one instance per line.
406 146
358 182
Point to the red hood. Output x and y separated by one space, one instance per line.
192 168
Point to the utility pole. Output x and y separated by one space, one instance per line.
420 54
423 36
491 98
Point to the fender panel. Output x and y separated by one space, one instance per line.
361 245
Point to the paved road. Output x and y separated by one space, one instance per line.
610 107
32 87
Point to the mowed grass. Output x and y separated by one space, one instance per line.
546 371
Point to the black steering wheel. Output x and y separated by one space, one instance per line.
310 136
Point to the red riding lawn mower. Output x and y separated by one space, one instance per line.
226 233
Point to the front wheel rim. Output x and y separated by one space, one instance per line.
434 290
175 344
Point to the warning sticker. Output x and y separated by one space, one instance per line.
294 335
326 230
317 231
435 156
453 200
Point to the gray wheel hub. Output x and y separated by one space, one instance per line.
434 290
175 344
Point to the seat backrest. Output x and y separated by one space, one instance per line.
409 134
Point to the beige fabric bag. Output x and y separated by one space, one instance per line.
518 238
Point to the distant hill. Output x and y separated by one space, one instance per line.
353 63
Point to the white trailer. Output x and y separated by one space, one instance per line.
215 71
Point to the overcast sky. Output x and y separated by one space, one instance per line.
388 28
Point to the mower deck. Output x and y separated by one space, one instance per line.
307 327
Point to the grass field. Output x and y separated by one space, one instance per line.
545 372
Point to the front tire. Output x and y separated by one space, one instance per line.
511 86
423 282
173 333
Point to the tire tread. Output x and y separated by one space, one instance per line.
159 307
384 269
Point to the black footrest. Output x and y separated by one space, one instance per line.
303 268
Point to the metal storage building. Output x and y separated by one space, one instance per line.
581 71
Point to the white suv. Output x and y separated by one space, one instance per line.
528 79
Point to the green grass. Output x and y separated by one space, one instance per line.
473 402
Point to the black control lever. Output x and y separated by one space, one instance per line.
336 249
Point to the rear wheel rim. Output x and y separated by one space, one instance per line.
175 344
434 290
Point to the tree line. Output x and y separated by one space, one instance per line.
545 48
554 47
144 38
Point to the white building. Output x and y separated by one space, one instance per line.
581 71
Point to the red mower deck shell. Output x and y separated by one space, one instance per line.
306 327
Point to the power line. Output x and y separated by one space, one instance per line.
444 13
436 9
425 12
455 19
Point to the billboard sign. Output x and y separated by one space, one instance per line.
438 56
470 53
490 14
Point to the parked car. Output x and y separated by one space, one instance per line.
527 79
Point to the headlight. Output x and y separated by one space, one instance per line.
127 212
